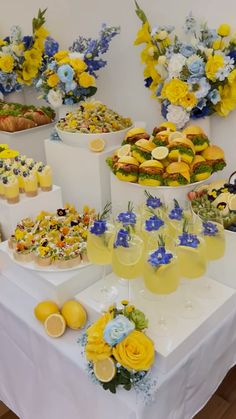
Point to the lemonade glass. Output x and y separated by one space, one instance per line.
154 204
176 215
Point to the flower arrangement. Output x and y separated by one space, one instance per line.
191 78
117 350
69 75
21 56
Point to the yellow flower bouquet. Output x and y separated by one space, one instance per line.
118 351
21 57
191 78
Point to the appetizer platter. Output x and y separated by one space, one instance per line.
52 241
15 117
167 157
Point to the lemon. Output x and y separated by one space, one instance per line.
55 325
74 314
125 150
97 145
44 309
104 370
232 203
160 153
175 135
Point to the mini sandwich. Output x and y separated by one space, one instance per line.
134 135
197 136
165 126
181 149
214 155
151 173
126 169
142 150
161 138
177 173
200 169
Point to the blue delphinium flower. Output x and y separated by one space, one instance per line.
99 227
27 41
50 46
187 50
214 96
65 73
160 257
176 213
147 82
164 108
117 329
200 113
127 218
153 223
122 238
187 239
209 229
153 202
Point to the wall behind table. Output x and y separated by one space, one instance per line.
120 84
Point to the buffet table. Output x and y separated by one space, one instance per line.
42 378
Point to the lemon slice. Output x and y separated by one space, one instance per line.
123 151
160 153
232 203
97 145
176 134
104 370
55 325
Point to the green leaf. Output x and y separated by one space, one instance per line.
140 13
39 21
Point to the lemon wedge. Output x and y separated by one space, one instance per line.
104 370
175 135
123 151
160 153
97 145
55 325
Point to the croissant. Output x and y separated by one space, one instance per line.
15 123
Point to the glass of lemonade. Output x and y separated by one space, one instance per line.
127 255
161 278
156 204
176 214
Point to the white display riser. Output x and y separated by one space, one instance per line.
224 269
11 214
56 286
122 192
188 333
82 174
29 142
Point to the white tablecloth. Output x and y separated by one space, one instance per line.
43 378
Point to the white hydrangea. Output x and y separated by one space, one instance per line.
177 115
54 98
175 66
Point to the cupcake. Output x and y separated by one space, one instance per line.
30 183
11 188
45 178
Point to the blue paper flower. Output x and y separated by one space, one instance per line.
187 239
127 218
197 67
209 229
122 238
176 214
99 227
154 223
117 329
160 257
65 73
51 46
153 202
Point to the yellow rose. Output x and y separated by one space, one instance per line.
214 63
188 101
143 35
33 55
41 33
174 90
96 347
224 30
29 71
136 352
6 63
86 80
61 54
218 44
78 65
53 80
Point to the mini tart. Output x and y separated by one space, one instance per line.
69 263
24 257
43 261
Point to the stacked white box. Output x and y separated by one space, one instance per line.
11 214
